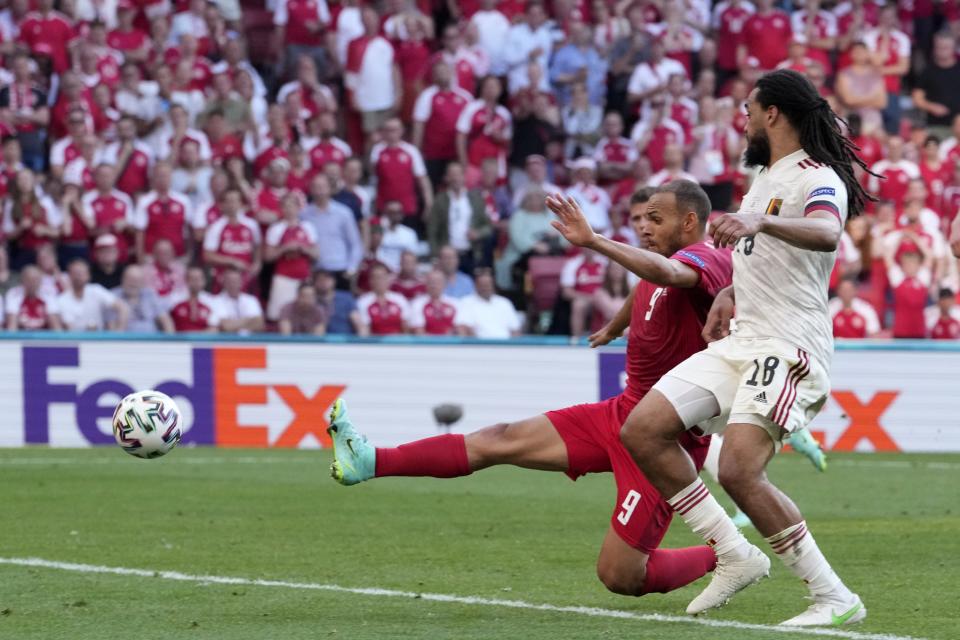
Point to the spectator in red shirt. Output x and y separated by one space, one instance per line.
433 313
382 312
165 274
127 38
162 213
852 316
47 32
729 20
400 170
291 246
328 148
130 158
233 241
435 115
943 318
109 210
910 281
27 307
580 279
614 153
766 36
198 312
73 96
408 282
897 171
300 29
484 130
28 220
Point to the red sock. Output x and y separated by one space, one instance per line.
669 569
439 457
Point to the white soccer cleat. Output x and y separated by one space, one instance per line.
827 612
730 577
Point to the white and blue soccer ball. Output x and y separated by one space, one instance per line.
147 424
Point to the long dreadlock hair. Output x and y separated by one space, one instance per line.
819 127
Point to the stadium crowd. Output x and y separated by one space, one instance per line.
312 166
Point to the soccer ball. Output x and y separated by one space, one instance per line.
146 424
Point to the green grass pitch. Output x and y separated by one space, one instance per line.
888 523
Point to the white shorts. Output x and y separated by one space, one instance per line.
763 381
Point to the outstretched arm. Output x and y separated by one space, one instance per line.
652 267
819 231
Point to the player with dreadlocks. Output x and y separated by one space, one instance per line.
770 377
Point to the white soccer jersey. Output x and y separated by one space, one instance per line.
781 290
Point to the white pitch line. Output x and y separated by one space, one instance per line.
13 462
595 612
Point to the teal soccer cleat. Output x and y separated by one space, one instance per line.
354 459
804 442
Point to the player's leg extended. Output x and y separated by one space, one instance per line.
747 449
650 435
532 443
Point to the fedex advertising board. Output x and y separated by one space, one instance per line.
278 395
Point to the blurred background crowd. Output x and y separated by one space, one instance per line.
374 168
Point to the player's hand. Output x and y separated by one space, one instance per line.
603 337
730 227
570 222
717 325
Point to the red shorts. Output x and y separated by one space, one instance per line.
592 435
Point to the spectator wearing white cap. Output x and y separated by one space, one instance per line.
594 201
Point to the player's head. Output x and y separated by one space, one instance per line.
786 107
676 216
638 208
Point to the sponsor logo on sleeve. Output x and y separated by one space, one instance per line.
692 257
823 191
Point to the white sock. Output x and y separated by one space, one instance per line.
798 550
702 513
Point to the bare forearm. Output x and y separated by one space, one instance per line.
650 266
812 233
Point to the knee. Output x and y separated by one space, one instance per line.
637 437
490 445
735 478
619 581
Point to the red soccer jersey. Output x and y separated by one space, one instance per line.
615 150
49 35
236 240
106 210
266 156
582 276
730 22
439 110
294 15
409 288
768 38
936 178
945 329
438 317
331 150
383 316
898 176
268 200
125 41
33 312
659 139
909 301
292 265
163 217
847 323
193 315
397 169
135 178
229 146
666 322
485 129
